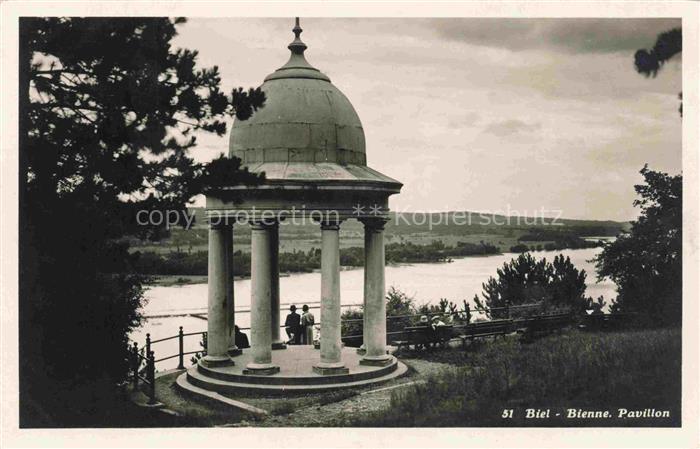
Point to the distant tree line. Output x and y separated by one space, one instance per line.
195 263
552 241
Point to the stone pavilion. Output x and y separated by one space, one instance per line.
309 142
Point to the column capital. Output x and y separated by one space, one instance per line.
261 225
374 223
216 219
330 225
220 225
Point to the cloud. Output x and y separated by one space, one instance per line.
579 35
458 121
511 126
525 112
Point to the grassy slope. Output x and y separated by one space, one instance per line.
631 369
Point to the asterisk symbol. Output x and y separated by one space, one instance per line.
358 210
375 210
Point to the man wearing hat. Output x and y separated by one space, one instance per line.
438 327
424 322
436 322
293 326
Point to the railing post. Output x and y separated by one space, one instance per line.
148 344
135 365
181 338
151 378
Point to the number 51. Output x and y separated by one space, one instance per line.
507 413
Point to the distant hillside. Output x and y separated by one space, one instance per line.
452 229
464 222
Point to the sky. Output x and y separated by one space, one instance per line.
524 117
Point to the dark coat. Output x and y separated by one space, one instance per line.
293 327
242 340
293 321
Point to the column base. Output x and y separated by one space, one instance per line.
327 369
261 369
234 351
378 360
279 345
211 361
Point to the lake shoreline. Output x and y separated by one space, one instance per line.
426 283
173 280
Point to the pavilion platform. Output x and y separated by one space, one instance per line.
296 375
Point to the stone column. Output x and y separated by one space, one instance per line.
233 349
331 362
261 298
374 323
277 342
363 347
217 318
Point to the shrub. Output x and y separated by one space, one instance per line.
557 286
398 304
353 328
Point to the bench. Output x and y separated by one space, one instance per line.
606 321
423 337
482 329
544 324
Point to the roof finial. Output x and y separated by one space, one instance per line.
297 29
297 46
297 66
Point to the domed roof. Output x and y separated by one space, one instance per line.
307 129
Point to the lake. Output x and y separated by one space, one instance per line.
426 282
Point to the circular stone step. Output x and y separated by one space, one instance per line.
296 373
298 379
195 378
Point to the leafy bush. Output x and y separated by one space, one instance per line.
448 311
353 328
398 304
